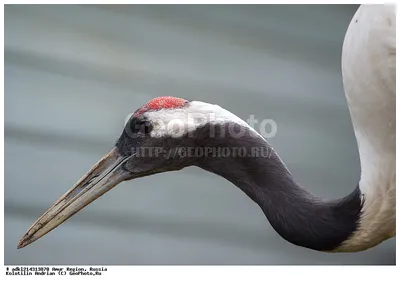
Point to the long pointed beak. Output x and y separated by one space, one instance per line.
103 176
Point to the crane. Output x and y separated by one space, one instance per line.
165 134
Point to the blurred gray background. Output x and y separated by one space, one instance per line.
72 75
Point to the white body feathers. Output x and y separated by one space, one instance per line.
369 77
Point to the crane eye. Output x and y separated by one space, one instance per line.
140 126
147 126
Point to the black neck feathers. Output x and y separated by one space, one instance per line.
297 215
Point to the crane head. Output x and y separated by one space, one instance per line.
165 134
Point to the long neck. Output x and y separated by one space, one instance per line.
297 215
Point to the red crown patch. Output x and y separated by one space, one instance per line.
159 103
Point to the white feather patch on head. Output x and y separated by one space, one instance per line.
180 121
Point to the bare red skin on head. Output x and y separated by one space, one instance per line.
159 103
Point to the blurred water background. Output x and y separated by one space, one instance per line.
73 74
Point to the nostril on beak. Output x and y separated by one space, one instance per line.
90 180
